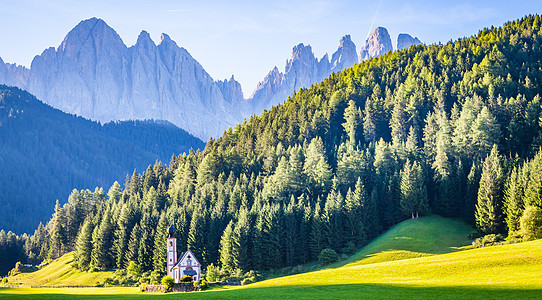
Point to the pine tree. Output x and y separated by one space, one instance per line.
101 256
352 117
133 245
533 191
290 233
413 190
485 132
197 234
160 245
241 242
57 233
83 246
369 128
226 253
513 201
355 205
489 218
316 168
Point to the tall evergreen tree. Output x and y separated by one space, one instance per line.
83 246
413 190
57 233
489 217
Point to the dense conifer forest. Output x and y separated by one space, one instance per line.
449 129
45 154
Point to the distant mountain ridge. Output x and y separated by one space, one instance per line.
46 153
94 74
303 69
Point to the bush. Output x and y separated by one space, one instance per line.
248 280
531 223
168 282
5 280
186 278
212 273
327 256
133 269
202 283
143 287
488 240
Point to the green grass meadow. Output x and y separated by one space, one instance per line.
417 259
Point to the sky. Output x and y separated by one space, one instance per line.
248 38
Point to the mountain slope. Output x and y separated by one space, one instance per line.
46 153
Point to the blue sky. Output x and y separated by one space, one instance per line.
248 38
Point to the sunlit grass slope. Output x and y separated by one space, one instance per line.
503 272
59 273
415 238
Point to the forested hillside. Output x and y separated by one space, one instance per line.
46 153
449 129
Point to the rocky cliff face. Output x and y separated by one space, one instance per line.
405 40
95 75
378 43
302 70
346 56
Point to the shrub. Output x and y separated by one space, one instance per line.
108 281
168 282
133 269
202 283
143 287
488 240
212 273
186 278
5 280
531 223
248 280
327 256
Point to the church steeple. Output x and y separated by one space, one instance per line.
171 230
171 251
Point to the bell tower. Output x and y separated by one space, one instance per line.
171 251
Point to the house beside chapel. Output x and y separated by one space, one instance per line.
186 265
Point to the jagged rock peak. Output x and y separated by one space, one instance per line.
345 56
164 38
405 40
94 30
378 43
144 38
301 51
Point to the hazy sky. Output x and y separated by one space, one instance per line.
248 38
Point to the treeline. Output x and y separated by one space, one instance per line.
450 129
45 153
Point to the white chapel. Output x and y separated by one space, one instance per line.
187 265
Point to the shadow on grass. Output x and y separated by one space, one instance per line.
349 291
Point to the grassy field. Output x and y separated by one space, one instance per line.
414 238
508 271
59 273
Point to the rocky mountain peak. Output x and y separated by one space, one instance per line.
345 56
144 38
378 43
302 52
94 33
164 39
405 40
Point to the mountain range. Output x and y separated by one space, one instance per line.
93 74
